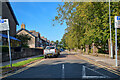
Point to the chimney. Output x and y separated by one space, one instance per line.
40 34
42 37
32 31
22 26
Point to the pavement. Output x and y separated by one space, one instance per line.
103 61
66 67
18 60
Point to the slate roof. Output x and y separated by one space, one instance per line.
12 12
26 31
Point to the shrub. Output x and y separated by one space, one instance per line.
91 50
118 52
24 39
5 48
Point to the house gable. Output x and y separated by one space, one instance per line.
26 31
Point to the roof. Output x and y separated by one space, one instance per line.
35 33
6 36
12 12
26 31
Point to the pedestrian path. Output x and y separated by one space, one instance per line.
102 60
18 60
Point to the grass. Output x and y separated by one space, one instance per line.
22 63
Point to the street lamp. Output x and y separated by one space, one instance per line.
110 33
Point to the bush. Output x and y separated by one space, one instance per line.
25 46
24 39
119 52
102 51
75 50
5 48
91 50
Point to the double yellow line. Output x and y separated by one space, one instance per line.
101 66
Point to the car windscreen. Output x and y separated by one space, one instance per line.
50 47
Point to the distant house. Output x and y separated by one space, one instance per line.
31 43
36 40
37 34
45 42
48 42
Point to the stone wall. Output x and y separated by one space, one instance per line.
25 52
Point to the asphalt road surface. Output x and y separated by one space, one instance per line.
66 66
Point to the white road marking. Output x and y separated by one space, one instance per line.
84 74
83 71
63 73
89 77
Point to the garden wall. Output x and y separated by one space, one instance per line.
24 52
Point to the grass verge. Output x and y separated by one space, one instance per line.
22 63
7 69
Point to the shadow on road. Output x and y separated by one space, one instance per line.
67 70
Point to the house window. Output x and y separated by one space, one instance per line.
37 39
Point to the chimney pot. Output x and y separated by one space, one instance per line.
22 26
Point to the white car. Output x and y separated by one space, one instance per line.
51 51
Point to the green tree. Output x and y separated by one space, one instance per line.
52 42
24 39
57 42
88 22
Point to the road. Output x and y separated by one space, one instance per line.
66 66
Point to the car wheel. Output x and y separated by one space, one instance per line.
58 53
45 57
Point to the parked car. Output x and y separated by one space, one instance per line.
51 51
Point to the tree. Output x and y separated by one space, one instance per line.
24 39
88 22
57 42
52 41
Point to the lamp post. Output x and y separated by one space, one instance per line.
110 33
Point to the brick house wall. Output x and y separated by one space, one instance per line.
7 13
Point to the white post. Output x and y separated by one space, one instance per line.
110 32
9 48
116 45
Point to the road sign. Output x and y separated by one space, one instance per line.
118 17
117 21
117 25
4 25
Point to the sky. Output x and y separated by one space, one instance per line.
38 16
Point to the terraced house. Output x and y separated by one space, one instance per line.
36 40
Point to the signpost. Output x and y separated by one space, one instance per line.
4 26
117 25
